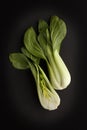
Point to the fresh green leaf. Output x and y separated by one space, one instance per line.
31 43
48 36
43 42
30 56
43 28
19 61
58 32
42 25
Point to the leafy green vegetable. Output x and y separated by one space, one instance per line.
58 32
46 45
28 55
31 43
42 26
48 97
19 61
50 41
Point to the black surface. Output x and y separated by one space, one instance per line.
20 107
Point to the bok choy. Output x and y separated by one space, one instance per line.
45 45
48 97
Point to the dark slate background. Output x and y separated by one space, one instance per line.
20 107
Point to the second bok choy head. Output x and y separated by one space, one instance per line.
48 97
